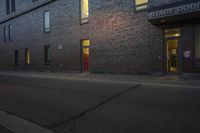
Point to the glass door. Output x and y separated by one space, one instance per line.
172 55
172 37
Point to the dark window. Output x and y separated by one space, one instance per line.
46 21
10 27
7 6
47 54
5 34
34 0
27 56
12 5
16 57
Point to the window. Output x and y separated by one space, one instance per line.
10 27
16 57
10 6
27 56
47 54
34 0
7 6
46 21
140 5
85 55
197 45
5 34
84 11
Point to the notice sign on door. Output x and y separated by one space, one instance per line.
187 54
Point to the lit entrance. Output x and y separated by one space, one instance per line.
85 55
172 49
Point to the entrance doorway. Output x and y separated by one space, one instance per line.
172 55
172 38
85 55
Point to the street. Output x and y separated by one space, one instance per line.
78 106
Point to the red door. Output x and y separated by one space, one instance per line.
85 59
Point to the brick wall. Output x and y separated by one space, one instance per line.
122 41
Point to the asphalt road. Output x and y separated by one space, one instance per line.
69 106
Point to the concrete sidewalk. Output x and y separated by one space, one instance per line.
187 80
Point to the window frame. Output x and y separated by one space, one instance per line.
5 34
27 56
83 20
12 4
140 5
46 30
10 32
47 54
7 7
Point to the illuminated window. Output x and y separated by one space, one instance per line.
197 45
46 21
85 55
27 56
175 32
84 11
140 5
47 54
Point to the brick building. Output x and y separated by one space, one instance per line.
100 36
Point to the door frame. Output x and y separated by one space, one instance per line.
166 55
82 56
165 71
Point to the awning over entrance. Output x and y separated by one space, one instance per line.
179 11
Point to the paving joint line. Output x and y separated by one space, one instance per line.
6 129
22 117
58 124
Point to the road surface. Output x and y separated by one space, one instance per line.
77 106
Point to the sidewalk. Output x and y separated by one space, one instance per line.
189 80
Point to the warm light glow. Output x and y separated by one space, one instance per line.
84 10
27 56
86 43
172 33
139 2
86 51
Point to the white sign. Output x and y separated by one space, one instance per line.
60 46
187 54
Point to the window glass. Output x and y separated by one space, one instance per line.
141 4
86 43
5 34
7 7
27 56
47 54
46 21
84 11
197 45
12 5
10 32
